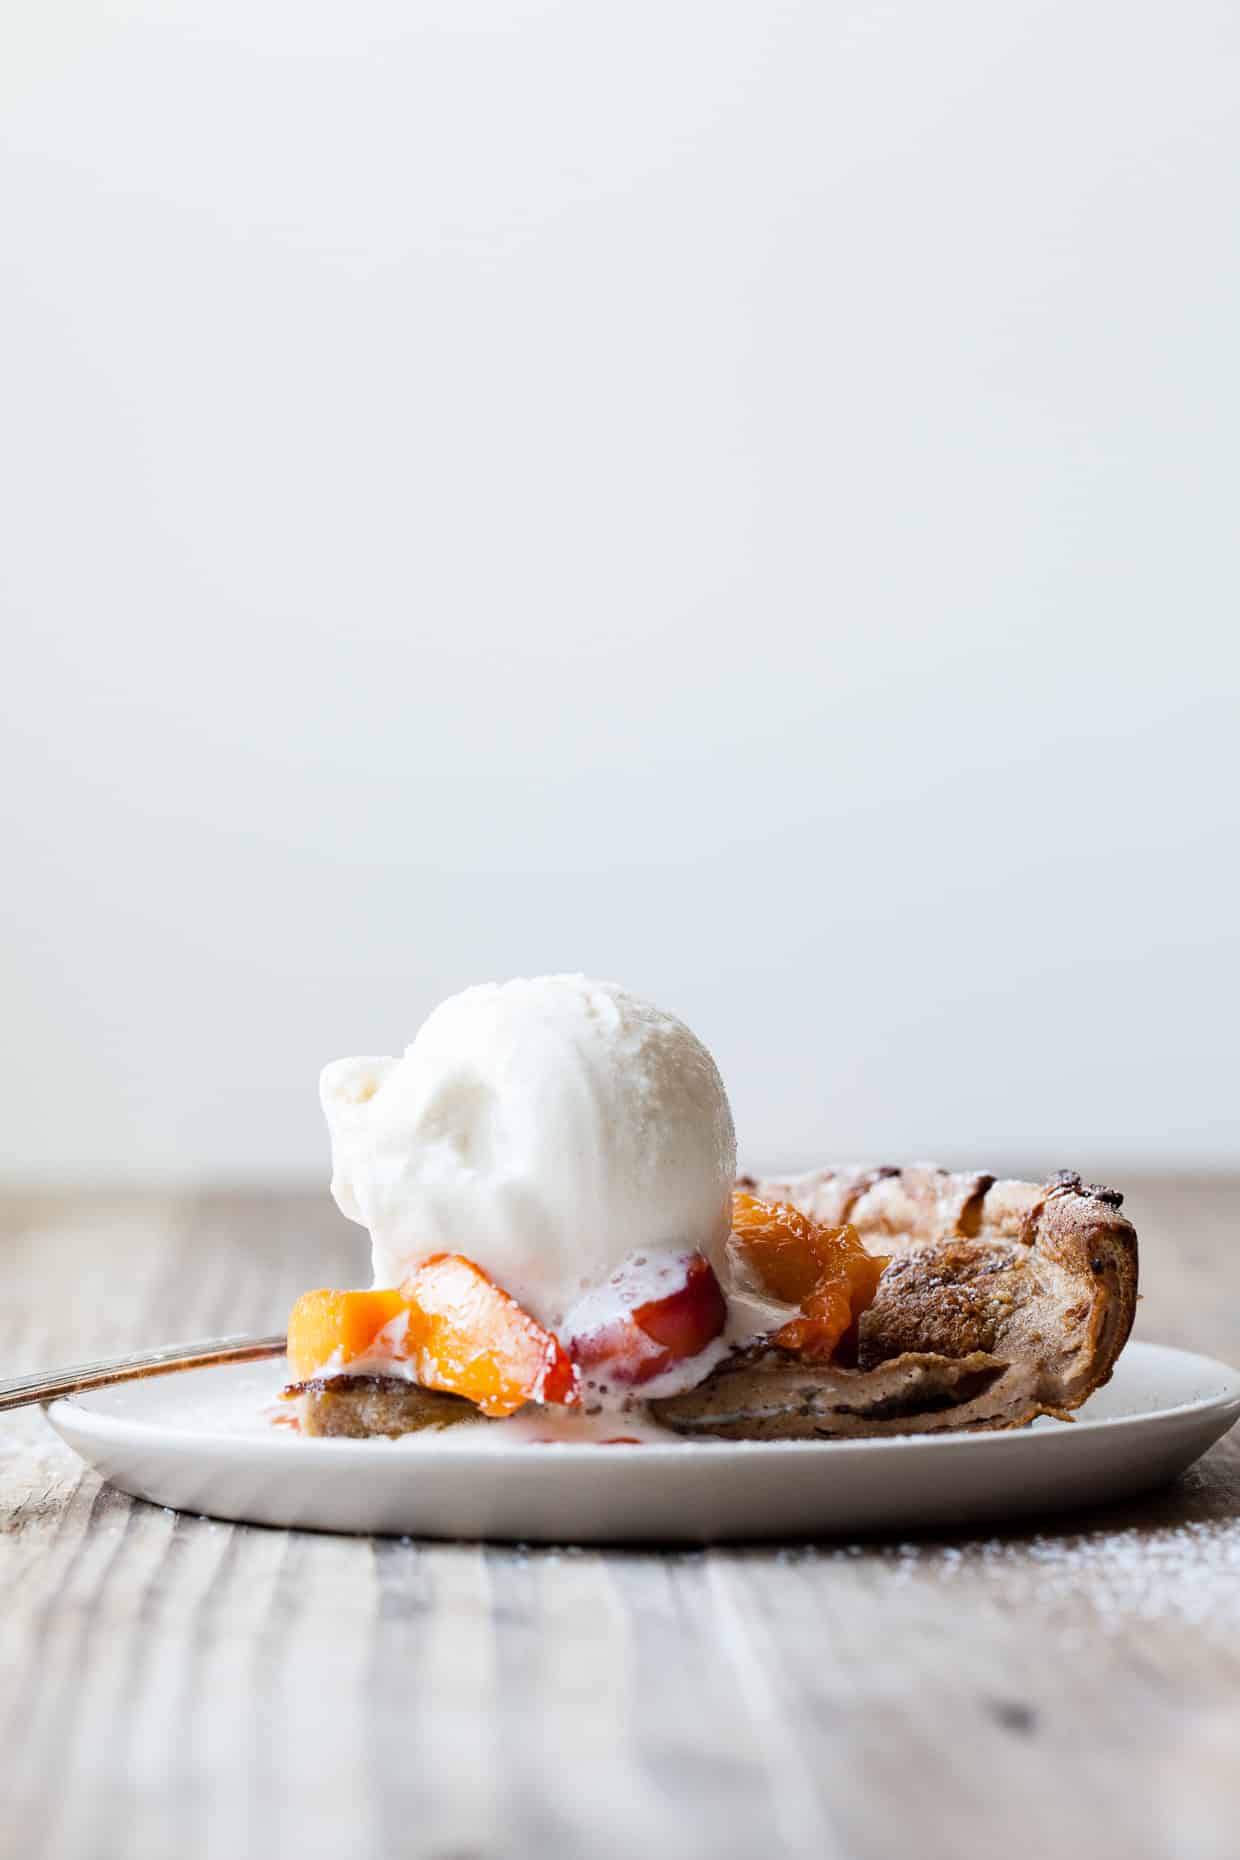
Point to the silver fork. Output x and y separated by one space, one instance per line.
49 1385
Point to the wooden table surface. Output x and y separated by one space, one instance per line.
173 1686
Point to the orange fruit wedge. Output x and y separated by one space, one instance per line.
461 1333
469 1337
334 1328
825 1270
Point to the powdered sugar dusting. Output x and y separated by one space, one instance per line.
1186 1574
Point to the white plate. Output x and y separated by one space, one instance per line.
199 1442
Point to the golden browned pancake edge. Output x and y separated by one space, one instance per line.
1004 1300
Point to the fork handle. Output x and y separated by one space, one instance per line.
24 1391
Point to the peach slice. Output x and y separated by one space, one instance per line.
649 1315
468 1337
336 1328
825 1270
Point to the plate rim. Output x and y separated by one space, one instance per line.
75 1411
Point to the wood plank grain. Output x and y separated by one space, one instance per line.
175 1685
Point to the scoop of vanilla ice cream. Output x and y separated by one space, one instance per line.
546 1129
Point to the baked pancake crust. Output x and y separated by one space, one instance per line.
360 1407
1003 1301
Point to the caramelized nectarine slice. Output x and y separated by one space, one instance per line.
336 1327
825 1270
648 1316
468 1337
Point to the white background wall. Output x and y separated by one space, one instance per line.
737 497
